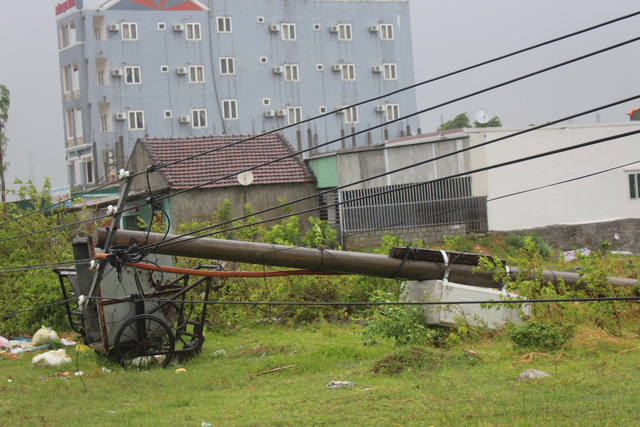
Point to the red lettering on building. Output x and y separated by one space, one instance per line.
63 7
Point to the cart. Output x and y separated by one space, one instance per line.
143 318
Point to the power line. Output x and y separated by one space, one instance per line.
154 167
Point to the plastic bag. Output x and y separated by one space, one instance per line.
44 336
51 358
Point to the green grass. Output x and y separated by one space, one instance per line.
595 380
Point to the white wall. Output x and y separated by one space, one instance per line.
598 198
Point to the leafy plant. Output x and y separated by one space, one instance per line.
540 335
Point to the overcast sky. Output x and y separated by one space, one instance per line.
447 35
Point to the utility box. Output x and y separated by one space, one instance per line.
444 291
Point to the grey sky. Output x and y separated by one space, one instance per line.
447 35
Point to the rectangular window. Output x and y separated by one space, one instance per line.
196 74
386 31
634 186
344 32
224 24
193 31
227 66
136 120
167 114
104 123
390 72
132 75
348 71
289 32
295 114
199 118
229 109
291 73
351 115
88 170
393 112
129 31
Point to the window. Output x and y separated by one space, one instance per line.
393 112
266 101
227 66
164 68
260 19
344 32
229 109
88 170
289 32
316 27
132 75
348 71
634 186
193 31
291 73
136 120
390 72
295 114
351 115
101 78
319 67
104 123
264 60
129 31
196 74
323 109
199 118
386 31
224 24
168 114
162 26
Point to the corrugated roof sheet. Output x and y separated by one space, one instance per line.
221 161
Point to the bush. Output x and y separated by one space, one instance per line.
544 336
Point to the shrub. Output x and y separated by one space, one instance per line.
544 336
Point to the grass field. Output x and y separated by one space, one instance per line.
595 380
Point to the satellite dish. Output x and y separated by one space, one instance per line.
245 178
482 116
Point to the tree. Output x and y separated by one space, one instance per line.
460 121
493 123
4 116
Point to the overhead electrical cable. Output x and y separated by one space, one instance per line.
442 76
514 80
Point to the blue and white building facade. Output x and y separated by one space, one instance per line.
163 68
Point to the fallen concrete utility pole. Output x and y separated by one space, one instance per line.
324 260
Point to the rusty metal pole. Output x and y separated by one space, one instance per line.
322 260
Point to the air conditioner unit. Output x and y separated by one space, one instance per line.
334 28
114 27
184 119
341 111
182 70
381 108
117 71
269 113
121 116
178 27
337 67
275 27
377 68
282 113
278 70
374 28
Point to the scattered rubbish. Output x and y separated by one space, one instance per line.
4 342
105 370
219 353
67 342
180 370
339 384
82 347
79 374
51 358
44 336
205 424
10 379
146 360
571 255
532 374
111 412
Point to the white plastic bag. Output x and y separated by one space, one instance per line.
44 336
51 358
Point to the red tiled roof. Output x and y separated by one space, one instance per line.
220 162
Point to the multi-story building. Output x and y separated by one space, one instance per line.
175 68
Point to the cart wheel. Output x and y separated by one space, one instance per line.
144 341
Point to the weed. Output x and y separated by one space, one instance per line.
545 336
